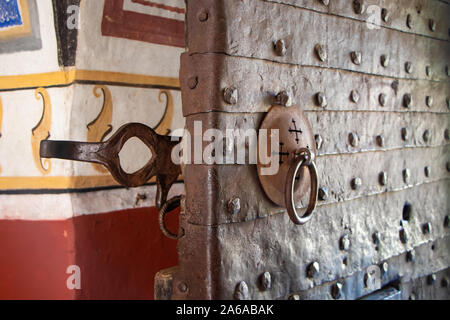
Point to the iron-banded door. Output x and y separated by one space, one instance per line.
373 79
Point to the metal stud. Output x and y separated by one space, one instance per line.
313 270
429 101
403 236
407 100
382 99
321 52
406 175
283 99
448 166
325 2
321 99
182 287
428 71
407 211
385 15
409 21
380 141
323 194
431 279
383 178
231 95
446 134
432 25
192 82
203 16
426 136
409 67
376 238
447 71
384 267
411 256
444 282
405 134
384 59
358 7
234 206
319 141
344 243
353 139
447 100
265 281
426 228
447 221
294 297
356 57
427 171
356 183
354 96
336 290
280 48
241 291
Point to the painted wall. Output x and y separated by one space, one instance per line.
63 83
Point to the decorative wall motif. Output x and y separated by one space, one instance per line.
149 21
101 126
19 26
42 131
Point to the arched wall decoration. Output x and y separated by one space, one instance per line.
101 126
42 131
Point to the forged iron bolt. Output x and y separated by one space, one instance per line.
182 287
321 99
294 297
384 59
446 134
353 139
358 6
385 15
380 141
376 238
319 141
411 256
356 183
382 99
313 270
384 267
356 57
409 21
321 52
283 99
406 175
241 291
344 243
426 228
427 171
193 82
428 71
325 2
432 25
266 281
431 279
447 222
234 206
405 134
429 101
407 100
323 194
336 290
354 96
408 67
383 178
403 236
444 282
203 16
407 211
426 136
280 48
231 95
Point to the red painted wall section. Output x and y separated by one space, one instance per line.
118 254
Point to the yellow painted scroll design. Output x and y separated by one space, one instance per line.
165 124
1 119
42 131
101 126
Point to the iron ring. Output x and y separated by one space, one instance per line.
304 158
